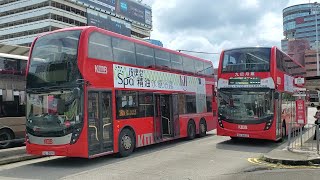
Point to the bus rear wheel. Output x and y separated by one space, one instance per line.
191 130
202 128
126 142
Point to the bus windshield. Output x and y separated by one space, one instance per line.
52 114
54 60
247 60
245 105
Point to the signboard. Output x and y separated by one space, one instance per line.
134 11
137 78
244 81
288 83
104 21
299 92
300 111
105 5
299 81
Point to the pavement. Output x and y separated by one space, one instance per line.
12 155
302 151
284 156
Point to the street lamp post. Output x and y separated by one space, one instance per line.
317 42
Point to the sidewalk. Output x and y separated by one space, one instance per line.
302 147
284 156
13 155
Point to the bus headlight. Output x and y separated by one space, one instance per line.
268 124
220 123
75 135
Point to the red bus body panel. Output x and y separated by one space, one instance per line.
253 130
140 126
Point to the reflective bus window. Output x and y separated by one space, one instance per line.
188 65
199 67
162 59
123 51
176 62
208 69
100 46
145 56
127 104
191 106
146 108
247 60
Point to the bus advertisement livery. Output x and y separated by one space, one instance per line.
256 93
91 92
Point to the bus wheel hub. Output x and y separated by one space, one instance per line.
126 142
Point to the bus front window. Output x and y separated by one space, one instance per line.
53 114
245 105
246 60
54 60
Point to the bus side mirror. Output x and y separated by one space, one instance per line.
276 95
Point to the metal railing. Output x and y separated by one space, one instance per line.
301 138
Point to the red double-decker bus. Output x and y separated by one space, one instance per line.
91 92
256 93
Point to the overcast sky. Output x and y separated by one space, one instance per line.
213 25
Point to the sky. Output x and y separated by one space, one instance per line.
214 25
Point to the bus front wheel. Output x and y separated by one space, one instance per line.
126 142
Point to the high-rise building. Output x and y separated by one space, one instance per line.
22 20
299 28
297 48
299 22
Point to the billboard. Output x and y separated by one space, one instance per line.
127 8
105 5
137 78
134 11
104 21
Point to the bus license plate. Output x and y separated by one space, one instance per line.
243 135
242 127
48 153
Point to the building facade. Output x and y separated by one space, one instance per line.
22 20
299 28
311 63
297 48
299 22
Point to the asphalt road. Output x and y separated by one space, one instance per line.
211 157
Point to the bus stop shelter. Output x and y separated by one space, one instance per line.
14 50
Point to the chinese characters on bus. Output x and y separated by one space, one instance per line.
137 78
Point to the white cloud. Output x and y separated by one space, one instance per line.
214 25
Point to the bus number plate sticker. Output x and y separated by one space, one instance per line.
48 153
243 135
242 127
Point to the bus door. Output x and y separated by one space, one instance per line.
157 119
100 120
175 114
278 109
164 124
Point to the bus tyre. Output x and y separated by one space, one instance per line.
202 128
126 142
191 130
312 105
6 135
